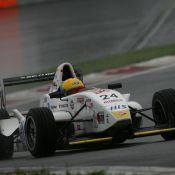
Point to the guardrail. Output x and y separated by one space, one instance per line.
13 3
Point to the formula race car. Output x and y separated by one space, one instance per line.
68 118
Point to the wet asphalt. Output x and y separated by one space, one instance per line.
34 38
147 152
37 37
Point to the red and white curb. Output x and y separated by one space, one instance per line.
95 79
132 70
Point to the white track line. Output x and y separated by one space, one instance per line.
157 27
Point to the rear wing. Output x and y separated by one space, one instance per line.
26 79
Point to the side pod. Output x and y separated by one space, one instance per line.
8 126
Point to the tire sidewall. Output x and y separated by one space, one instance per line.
45 132
164 111
30 148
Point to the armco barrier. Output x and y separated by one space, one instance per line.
12 3
23 2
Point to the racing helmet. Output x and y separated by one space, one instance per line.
72 85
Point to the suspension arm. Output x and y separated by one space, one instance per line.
141 113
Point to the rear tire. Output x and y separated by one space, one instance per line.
40 131
164 111
6 143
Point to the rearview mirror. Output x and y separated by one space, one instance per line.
56 94
115 86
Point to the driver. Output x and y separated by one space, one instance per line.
72 86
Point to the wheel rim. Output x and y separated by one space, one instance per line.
31 133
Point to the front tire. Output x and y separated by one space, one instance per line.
164 111
6 143
40 131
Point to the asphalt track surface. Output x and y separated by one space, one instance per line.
149 151
38 37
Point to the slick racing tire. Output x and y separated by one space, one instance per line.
6 143
40 131
164 111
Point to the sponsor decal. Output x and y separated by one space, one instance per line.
53 107
72 104
94 120
89 103
100 117
98 90
76 83
113 101
121 114
64 99
63 106
88 100
107 96
117 107
42 75
80 100
107 118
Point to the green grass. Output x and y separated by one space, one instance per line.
47 172
118 60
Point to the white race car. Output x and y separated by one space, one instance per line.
90 116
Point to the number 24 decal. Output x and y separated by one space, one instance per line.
107 97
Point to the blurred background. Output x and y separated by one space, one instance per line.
36 35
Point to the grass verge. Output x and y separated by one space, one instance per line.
118 60
47 172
